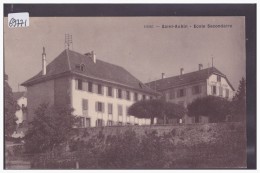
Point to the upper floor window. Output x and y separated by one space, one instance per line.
136 96
80 84
213 90
227 93
128 95
220 91
110 108
196 89
99 89
127 108
120 110
143 97
84 104
181 93
219 78
109 91
119 93
172 94
90 86
100 107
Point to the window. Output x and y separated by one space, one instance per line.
82 67
172 94
109 123
120 110
79 84
127 108
120 123
109 91
110 108
119 93
100 89
100 107
143 97
128 124
227 93
127 95
213 90
136 124
151 97
99 122
181 93
136 96
196 89
220 91
84 86
81 122
90 87
219 78
88 122
84 106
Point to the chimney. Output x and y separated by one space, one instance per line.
43 62
200 66
182 71
163 75
93 56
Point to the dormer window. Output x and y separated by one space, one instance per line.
82 67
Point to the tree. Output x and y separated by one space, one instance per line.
50 127
238 108
10 108
216 108
156 108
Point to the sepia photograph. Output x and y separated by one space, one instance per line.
124 92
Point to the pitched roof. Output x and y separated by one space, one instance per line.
68 61
17 95
185 79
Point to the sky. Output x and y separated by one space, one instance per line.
127 42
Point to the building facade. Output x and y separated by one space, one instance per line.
21 100
185 88
99 92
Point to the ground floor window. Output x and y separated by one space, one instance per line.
99 122
120 123
109 123
88 122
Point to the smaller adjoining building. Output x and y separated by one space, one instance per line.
21 113
184 88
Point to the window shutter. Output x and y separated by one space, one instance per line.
102 90
106 90
212 90
85 86
76 83
112 92
96 106
103 107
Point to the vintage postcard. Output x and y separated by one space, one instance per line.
124 92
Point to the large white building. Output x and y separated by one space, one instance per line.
99 92
184 88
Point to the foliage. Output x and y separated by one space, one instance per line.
156 108
10 108
50 127
216 108
123 151
238 108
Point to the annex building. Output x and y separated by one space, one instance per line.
99 92
184 88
